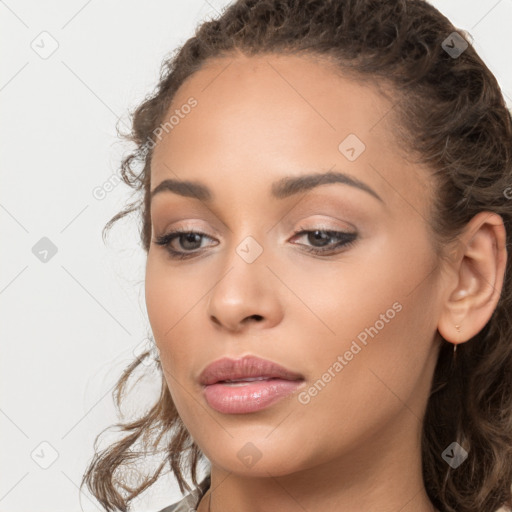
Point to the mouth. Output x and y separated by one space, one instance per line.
246 369
245 381
246 385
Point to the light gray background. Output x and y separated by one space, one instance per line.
70 325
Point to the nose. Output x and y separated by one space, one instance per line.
235 325
246 296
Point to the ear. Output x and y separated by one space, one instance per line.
475 276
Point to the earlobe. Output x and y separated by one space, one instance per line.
479 265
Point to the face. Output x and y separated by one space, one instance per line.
337 282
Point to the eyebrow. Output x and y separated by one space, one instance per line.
281 189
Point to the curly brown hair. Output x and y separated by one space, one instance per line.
450 113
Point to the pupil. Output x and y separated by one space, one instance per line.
191 237
319 236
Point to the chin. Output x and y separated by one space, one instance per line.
259 455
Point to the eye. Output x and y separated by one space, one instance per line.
320 240
189 240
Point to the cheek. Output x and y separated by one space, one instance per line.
175 305
383 315
368 294
169 294
170 299
361 386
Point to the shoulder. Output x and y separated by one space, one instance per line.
190 502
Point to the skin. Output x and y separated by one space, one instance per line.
356 445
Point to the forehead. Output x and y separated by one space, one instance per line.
261 116
281 92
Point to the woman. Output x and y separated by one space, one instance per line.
325 196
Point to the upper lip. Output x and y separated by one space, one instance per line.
246 367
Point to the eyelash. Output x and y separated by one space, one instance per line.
347 240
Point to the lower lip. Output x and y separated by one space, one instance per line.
248 397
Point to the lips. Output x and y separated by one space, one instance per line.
246 369
247 385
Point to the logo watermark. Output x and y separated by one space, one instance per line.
454 455
101 191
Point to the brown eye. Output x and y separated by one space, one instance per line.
319 238
189 241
